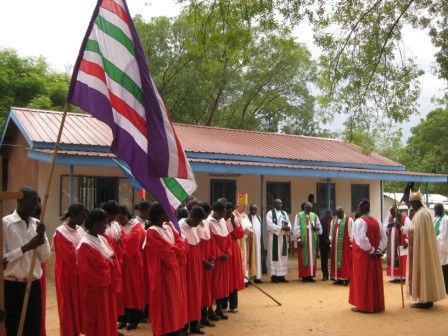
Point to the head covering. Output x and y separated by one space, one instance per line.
242 199
415 196
364 206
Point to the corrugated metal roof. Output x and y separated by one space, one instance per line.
82 129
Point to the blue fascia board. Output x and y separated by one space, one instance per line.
309 172
72 147
248 158
12 117
73 160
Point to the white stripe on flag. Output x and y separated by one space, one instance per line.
129 127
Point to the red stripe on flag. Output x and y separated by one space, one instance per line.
113 7
93 69
182 171
117 103
129 113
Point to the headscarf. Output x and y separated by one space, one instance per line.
364 206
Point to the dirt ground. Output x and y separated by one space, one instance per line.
319 308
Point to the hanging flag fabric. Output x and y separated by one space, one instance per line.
111 81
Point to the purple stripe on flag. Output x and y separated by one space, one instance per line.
94 101
81 51
154 112
127 149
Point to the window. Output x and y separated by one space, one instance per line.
92 191
281 190
359 192
322 189
223 188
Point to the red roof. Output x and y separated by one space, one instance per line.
84 130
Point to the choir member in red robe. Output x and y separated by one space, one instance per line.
113 236
166 258
65 240
99 278
236 275
194 267
221 272
132 237
366 282
143 218
207 245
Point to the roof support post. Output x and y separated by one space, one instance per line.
72 184
382 200
427 195
328 195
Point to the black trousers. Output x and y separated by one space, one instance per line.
14 294
233 300
324 248
131 316
445 276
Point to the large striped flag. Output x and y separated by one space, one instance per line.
111 81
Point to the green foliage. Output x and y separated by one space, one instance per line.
29 82
426 150
214 66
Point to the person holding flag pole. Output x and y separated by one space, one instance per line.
111 81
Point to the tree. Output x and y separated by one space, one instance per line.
214 66
29 82
426 155
368 74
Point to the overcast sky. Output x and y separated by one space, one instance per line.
55 28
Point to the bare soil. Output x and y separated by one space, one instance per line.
319 308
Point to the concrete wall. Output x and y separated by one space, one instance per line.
301 187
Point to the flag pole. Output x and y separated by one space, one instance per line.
44 207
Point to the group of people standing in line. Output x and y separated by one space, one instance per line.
127 269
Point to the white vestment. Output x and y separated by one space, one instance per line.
280 266
256 227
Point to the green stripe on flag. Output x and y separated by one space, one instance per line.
176 189
116 74
116 33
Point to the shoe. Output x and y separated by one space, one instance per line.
121 325
345 282
282 279
120 334
233 310
312 280
207 323
131 326
274 279
338 282
356 310
222 315
422 305
325 278
246 284
258 281
197 331
212 316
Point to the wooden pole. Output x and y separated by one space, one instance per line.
42 216
268 295
398 249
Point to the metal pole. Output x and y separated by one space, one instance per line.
328 195
427 194
382 201
72 184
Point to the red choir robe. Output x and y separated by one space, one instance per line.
221 272
193 272
99 281
43 298
132 237
341 269
236 274
208 253
66 278
395 238
166 258
366 282
113 236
